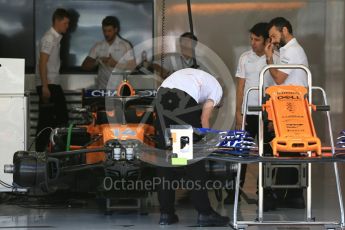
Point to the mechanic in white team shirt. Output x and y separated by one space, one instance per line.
201 86
249 67
183 58
52 103
187 96
113 52
290 52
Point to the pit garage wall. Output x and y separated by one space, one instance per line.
334 61
223 27
318 26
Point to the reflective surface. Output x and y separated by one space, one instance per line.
86 24
83 213
17 31
318 25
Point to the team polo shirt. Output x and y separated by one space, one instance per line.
120 50
201 86
50 44
293 53
249 68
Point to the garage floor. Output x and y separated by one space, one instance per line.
82 213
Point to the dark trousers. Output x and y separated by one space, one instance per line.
195 172
284 176
288 176
52 114
171 106
252 125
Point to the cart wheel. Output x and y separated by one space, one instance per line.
219 194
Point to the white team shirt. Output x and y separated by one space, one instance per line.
249 68
120 50
50 44
197 83
293 53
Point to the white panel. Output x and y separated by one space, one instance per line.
13 113
12 132
12 76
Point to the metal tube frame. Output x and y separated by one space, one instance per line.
336 171
309 220
238 176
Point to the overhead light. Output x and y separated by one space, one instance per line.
207 8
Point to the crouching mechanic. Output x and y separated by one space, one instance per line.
188 96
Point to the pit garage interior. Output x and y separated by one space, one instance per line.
153 27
